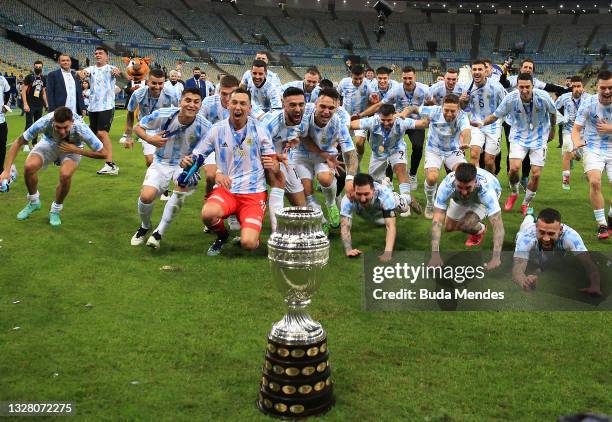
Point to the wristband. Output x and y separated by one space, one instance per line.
349 178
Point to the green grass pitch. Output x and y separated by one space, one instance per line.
101 325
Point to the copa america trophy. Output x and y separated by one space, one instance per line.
296 379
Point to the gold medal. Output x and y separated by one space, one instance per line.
381 149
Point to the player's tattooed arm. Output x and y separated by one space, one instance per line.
345 233
519 266
391 234
351 161
498 240
370 110
436 228
129 123
408 111
489 119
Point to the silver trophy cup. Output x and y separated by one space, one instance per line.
296 379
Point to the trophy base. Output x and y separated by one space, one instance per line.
296 380
297 328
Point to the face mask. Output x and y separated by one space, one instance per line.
37 70
196 76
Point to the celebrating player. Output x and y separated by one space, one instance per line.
547 234
480 98
441 89
570 103
533 116
174 132
474 195
243 152
389 148
310 84
145 101
263 91
373 201
271 76
324 128
595 117
63 135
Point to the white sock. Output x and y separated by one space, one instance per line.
430 192
404 188
565 173
312 203
145 211
276 202
34 199
600 216
329 193
610 212
171 210
56 207
529 195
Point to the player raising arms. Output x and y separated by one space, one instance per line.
63 135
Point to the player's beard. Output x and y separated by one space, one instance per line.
605 99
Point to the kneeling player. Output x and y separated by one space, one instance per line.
389 148
63 136
373 201
243 152
547 234
174 132
474 195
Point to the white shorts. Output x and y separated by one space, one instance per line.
308 167
210 160
160 175
435 160
360 132
568 145
50 153
594 161
147 148
293 184
537 156
378 166
457 211
490 142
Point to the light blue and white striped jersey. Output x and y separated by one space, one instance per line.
530 122
382 92
570 107
487 192
310 97
401 98
101 88
271 76
267 97
182 139
438 91
527 241
213 111
589 113
354 98
382 200
386 143
344 117
142 100
4 87
239 153
483 101
279 132
79 133
327 138
537 84
442 136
